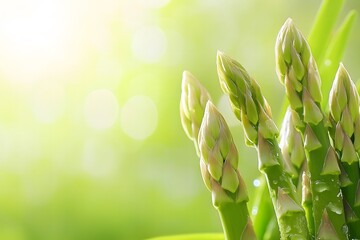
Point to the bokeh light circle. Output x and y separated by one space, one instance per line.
101 109
256 183
139 117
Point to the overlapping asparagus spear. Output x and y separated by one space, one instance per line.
218 159
292 148
345 118
297 70
192 106
251 108
329 174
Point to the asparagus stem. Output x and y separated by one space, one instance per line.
192 106
345 117
219 162
235 224
263 212
251 108
297 70
272 229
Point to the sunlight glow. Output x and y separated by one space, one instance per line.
48 101
139 117
101 109
153 3
149 44
108 71
33 40
99 159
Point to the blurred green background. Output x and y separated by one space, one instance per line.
91 145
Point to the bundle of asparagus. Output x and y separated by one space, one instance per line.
312 171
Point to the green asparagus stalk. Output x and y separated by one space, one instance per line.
263 213
192 106
327 51
219 162
251 108
271 227
297 70
292 148
345 117
228 192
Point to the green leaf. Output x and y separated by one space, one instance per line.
200 236
323 26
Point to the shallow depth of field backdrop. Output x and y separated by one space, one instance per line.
91 145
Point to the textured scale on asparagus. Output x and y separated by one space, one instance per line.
292 148
219 162
345 118
252 110
192 106
297 70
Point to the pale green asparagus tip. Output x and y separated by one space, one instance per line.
291 49
291 145
344 110
306 189
192 105
219 159
297 70
248 103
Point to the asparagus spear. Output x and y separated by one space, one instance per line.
192 106
251 108
292 148
228 191
219 162
297 70
345 116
